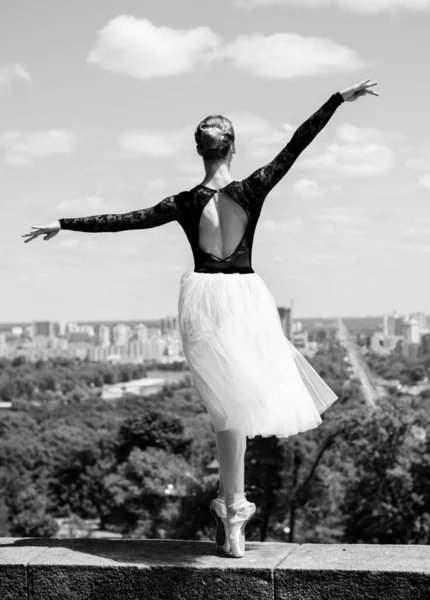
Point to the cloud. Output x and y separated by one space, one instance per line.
293 226
156 184
425 180
287 55
140 49
13 71
342 159
319 258
248 124
358 6
420 227
355 151
418 163
81 205
262 140
341 214
352 134
75 243
155 143
308 188
193 169
20 147
137 48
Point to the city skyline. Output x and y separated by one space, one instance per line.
99 105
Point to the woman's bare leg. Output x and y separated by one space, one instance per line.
231 446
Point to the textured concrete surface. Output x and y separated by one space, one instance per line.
153 569
15 555
350 572
110 569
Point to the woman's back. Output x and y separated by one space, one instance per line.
222 225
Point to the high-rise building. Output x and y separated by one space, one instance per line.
285 316
43 328
142 332
425 345
121 334
421 319
62 328
103 336
168 324
389 325
411 331
398 328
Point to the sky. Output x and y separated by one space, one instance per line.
99 101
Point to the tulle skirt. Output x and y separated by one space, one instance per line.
248 374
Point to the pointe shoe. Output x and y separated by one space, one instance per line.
239 513
218 510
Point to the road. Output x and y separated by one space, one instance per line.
370 391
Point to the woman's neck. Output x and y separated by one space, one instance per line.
217 174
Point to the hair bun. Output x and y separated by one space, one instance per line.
211 137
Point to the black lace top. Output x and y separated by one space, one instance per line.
187 207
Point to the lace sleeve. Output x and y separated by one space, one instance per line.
164 212
265 178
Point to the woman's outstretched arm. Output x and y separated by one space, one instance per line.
265 178
164 212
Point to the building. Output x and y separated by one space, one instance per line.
43 328
285 316
422 321
389 325
103 336
121 334
411 331
425 345
399 326
142 332
301 341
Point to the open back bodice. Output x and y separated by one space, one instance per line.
222 226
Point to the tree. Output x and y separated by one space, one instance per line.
387 499
155 429
30 518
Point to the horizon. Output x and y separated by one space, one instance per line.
132 320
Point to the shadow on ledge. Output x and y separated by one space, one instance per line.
110 569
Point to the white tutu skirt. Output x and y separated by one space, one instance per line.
248 374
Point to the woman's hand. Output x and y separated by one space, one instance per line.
360 89
48 231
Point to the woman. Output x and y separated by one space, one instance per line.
251 379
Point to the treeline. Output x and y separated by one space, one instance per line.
141 466
397 366
63 380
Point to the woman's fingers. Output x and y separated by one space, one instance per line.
372 84
371 92
30 238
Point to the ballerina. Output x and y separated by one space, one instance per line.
249 376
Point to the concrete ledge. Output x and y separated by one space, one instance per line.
110 569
